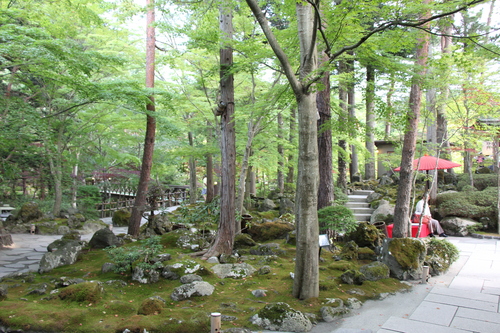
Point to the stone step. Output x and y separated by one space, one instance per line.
362 210
362 217
356 198
362 192
357 204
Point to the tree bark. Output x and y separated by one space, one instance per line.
370 122
342 153
291 170
351 100
224 240
280 173
193 182
402 208
325 188
149 141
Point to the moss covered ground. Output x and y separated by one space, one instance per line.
115 307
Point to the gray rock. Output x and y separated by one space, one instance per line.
281 317
287 206
457 226
107 267
373 196
259 293
190 278
197 288
237 330
384 212
146 277
63 230
3 292
375 271
92 226
59 243
66 255
213 260
266 205
103 238
335 310
65 282
266 269
353 303
236 271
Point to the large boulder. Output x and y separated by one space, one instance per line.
457 226
287 206
103 238
262 232
281 317
404 257
366 235
92 226
65 255
384 212
196 288
236 271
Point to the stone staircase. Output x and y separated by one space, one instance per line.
358 204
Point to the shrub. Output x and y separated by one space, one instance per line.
89 197
481 181
337 218
340 198
125 257
470 204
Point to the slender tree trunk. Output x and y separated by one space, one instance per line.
149 141
210 169
402 208
291 170
441 120
193 182
325 188
281 164
74 190
342 153
370 122
351 100
224 240
390 93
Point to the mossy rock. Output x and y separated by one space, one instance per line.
88 292
353 276
261 232
375 271
243 241
151 306
349 251
404 257
121 218
366 235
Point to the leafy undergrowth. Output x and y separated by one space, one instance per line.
116 308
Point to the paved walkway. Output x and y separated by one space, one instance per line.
465 299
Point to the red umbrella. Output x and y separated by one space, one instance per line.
431 163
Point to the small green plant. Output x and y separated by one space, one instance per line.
204 216
125 257
89 197
474 228
337 219
340 198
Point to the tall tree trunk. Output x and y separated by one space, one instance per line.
224 240
370 122
390 93
149 141
210 169
306 276
291 170
441 121
325 187
193 182
402 208
342 153
280 173
351 100
74 190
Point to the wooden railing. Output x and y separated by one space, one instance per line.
122 196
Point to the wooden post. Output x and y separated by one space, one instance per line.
215 323
425 274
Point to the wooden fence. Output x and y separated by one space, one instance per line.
122 196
